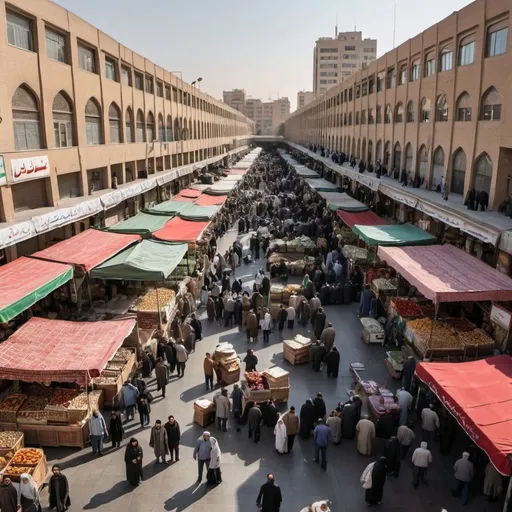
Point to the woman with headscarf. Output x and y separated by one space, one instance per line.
210 309
133 461
213 475
307 419
373 495
318 506
59 491
28 494
8 496
392 454
281 437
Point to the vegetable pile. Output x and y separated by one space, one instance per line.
405 307
255 380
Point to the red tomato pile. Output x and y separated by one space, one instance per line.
406 307
255 380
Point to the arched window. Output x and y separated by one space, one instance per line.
177 130
467 48
387 154
388 114
161 128
93 124
399 113
379 115
430 64
140 134
483 173
63 120
437 167
464 107
491 105
114 122
446 58
186 135
422 164
370 152
458 172
25 114
371 116
169 128
410 112
441 108
150 127
397 159
363 150
378 150
425 110
408 157
402 74
415 70
128 126
497 39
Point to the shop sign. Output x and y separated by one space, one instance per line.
501 316
16 233
3 175
398 196
24 169
371 183
121 194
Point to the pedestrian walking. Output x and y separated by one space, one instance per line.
421 459
161 376
202 453
266 326
8 495
429 423
222 408
405 402
281 437
236 399
250 361
291 316
405 437
133 462
282 315
144 410
307 419
335 424
332 360
464 471
254 421
392 454
292 424
116 429
493 482
98 431
373 480
181 359
269 498
365 429
327 337
58 491
322 436
173 438
28 494
129 394
319 405
159 442
213 475
208 366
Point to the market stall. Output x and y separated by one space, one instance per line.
190 193
144 223
21 460
180 230
342 201
322 185
394 235
272 384
478 395
198 213
25 281
209 200
361 218
48 351
171 208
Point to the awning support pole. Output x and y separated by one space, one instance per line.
158 306
509 489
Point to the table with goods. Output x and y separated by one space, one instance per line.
157 306
373 331
115 374
227 362
272 384
50 416
24 460
297 350
294 253
204 412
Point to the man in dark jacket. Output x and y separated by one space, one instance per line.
269 498
173 436
196 325
170 354
319 405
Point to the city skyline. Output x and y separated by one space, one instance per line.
244 58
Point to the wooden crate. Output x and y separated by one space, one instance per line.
204 419
20 443
229 377
281 394
53 435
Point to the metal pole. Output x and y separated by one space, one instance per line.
509 488
158 306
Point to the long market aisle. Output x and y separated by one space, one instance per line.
99 483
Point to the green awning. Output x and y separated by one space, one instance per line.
394 235
168 208
321 185
194 212
342 201
151 260
141 223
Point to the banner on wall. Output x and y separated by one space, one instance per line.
3 175
31 168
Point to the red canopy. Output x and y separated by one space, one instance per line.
190 192
45 350
366 218
184 199
479 396
88 249
179 230
209 200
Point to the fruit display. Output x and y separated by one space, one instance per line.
406 307
83 401
255 380
117 367
460 324
476 338
8 438
3 462
62 397
17 470
440 336
105 381
33 411
9 407
122 354
27 457
150 303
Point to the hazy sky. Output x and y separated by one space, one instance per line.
264 47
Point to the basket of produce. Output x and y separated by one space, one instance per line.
10 442
14 472
56 410
33 412
300 244
460 324
255 380
9 407
105 381
82 404
406 308
476 338
276 257
276 293
27 457
150 303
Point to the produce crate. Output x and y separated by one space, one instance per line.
296 351
11 441
373 332
10 407
259 395
38 470
277 377
80 407
281 394
33 411
56 410
204 412
230 377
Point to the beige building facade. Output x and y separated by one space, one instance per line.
81 114
235 99
437 106
268 115
336 59
304 98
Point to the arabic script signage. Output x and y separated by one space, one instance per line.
3 176
30 168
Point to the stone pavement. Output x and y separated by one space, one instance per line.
99 483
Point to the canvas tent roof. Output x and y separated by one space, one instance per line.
25 281
195 212
180 230
44 350
141 223
393 235
342 201
366 218
443 273
321 185
208 200
171 207
190 192
151 260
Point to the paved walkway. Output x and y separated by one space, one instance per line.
99 484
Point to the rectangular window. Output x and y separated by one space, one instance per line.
86 58
20 32
491 112
168 92
364 91
358 91
149 84
446 60
63 134
93 131
175 95
464 114
430 67
390 78
138 81
126 76
26 135
160 89
371 86
497 42
467 54
415 71
55 46
402 77
328 50
111 69
350 48
380 81
357 118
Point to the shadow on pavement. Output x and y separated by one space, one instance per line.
114 493
186 498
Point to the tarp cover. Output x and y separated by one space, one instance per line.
305 172
321 185
180 230
190 192
193 211
366 218
142 223
88 249
398 234
479 396
233 177
207 200
443 273
150 260
221 188
171 207
342 201
45 350
25 281
184 199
